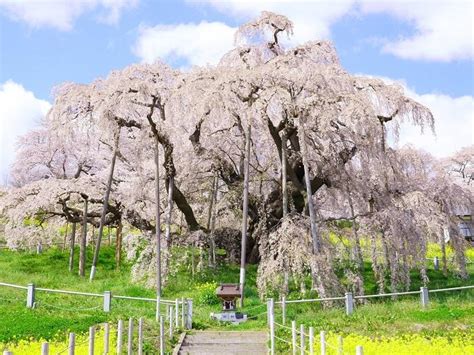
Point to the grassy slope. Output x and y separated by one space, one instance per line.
57 313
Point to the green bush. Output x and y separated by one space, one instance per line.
206 294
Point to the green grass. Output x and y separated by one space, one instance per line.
56 314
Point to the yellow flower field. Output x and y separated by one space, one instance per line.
33 346
410 344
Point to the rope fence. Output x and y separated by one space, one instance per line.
305 338
127 340
183 307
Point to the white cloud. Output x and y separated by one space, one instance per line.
196 44
61 14
20 111
312 19
442 29
454 123
206 42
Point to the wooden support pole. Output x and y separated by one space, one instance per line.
107 301
176 309
171 320
340 348
72 344
162 336
283 310
349 303
106 337
189 314
91 340
119 336
30 296
302 340
322 336
140 336
311 341
293 336
82 244
359 350
271 319
158 305
45 349
424 297
245 210
72 246
182 312
130 336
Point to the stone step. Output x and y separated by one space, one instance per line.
240 349
222 342
241 339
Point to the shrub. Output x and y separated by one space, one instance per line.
206 294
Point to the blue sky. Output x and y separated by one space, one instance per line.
425 45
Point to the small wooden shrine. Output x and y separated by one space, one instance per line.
228 293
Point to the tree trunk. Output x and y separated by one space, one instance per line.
118 245
245 207
157 219
105 205
168 223
284 189
82 250
312 212
71 250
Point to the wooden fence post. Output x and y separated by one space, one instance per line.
176 313
72 344
302 340
157 311
311 341
45 349
30 296
424 297
322 336
340 349
140 336
91 340
182 312
189 313
106 338
283 310
119 336
293 336
171 320
349 303
436 263
359 350
271 324
6 352
130 336
162 336
107 301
